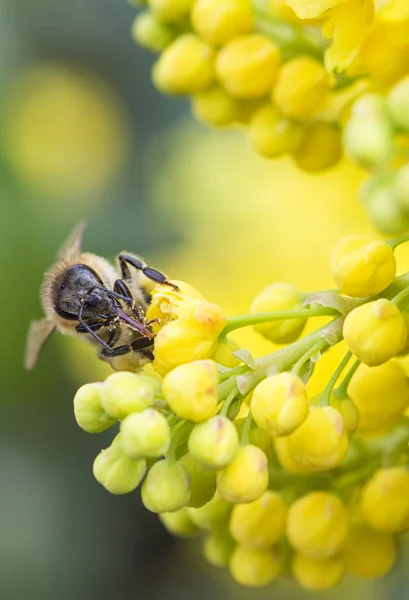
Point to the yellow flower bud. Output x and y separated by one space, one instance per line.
166 302
362 265
179 523
320 148
279 403
171 11
259 524
369 553
255 567
301 88
219 21
191 390
276 297
375 332
247 66
385 500
116 472
317 525
317 574
246 478
124 393
218 548
271 135
223 355
184 67
175 346
348 411
213 515
215 107
89 414
286 460
258 437
321 442
381 395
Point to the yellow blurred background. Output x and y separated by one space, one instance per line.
83 134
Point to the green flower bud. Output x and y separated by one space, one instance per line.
398 104
179 523
145 434
368 135
214 443
166 487
401 186
202 482
88 412
218 548
152 34
116 472
212 515
124 393
381 201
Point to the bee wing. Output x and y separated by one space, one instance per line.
38 333
72 244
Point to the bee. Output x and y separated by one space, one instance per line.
86 296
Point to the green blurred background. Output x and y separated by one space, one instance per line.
83 134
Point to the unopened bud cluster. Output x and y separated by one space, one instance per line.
277 481
288 70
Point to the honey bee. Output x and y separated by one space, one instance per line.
86 296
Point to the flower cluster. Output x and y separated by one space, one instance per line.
289 71
233 447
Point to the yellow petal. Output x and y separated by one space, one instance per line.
308 9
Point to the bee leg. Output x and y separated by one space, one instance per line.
153 274
121 288
85 328
138 344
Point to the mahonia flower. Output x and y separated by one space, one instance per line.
220 443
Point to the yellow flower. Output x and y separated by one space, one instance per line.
301 88
271 135
247 66
259 524
317 525
279 403
255 567
219 21
369 553
375 332
276 297
184 67
186 324
191 390
321 442
246 478
317 574
381 394
385 500
362 265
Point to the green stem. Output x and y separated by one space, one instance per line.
227 402
326 394
285 358
179 434
401 298
268 317
244 439
341 391
233 372
320 345
292 39
398 241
